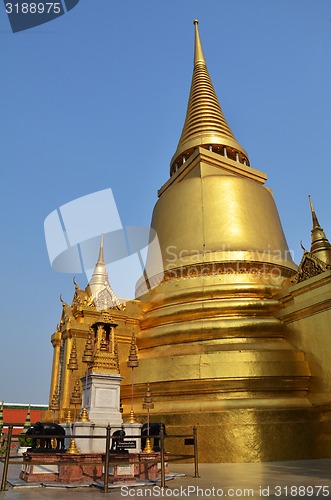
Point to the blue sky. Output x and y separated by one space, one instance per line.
97 99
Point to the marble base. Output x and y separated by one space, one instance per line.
101 396
98 445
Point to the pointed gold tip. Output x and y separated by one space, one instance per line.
313 213
198 52
205 125
311 203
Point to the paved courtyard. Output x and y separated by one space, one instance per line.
284 480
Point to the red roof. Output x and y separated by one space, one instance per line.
16 414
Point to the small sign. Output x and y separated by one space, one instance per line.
189 442
127 445
124 470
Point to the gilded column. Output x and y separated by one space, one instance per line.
65 389
56 340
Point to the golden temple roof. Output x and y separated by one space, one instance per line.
320 245
205 124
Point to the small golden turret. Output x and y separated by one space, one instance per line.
320 245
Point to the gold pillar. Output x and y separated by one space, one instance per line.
65 389
56 343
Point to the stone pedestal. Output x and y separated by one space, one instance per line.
98 445
54 467
101 396
89 467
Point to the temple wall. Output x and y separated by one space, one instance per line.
307 313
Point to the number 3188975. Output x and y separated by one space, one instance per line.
33 8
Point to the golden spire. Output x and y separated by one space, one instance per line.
100 275
99 286
205 124
320 245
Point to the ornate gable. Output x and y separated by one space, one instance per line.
309 267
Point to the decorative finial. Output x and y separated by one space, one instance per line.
303 248
88 351
73 362
148 405
55 405
116 355
148 400
76 396
133 357
83 417
199 57
73 450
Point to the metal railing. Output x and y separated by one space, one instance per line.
189 439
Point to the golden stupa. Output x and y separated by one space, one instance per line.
234 337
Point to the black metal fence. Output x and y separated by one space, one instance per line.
189 439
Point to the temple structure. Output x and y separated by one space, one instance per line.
234 337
